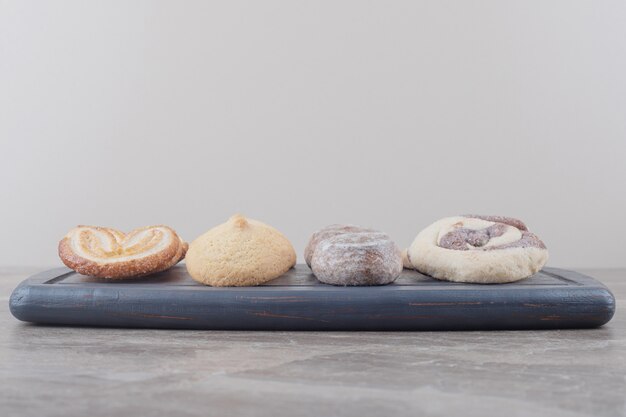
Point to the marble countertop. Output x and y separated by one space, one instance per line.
61 371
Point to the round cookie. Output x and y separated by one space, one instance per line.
357 258
325 233
240 252
477 249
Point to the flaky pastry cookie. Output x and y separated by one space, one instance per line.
108 253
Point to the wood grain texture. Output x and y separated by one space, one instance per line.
552 299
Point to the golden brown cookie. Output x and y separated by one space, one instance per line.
108 253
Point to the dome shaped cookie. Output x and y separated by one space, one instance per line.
477 249
240 252
350 255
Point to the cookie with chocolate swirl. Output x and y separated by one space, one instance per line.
476 248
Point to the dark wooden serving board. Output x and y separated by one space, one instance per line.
552 299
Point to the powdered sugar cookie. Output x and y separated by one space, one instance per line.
351 255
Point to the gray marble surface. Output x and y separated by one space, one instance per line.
58 371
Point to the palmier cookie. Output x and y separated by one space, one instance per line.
349 255
240 252
477 249
108 253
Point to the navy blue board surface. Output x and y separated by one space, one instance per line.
551 299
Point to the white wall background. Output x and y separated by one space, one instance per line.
388 114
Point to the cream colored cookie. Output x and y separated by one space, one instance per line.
480 249
406 262
241 252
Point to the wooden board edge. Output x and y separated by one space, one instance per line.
585 307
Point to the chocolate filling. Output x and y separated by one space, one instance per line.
528 240
501 219
459 238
